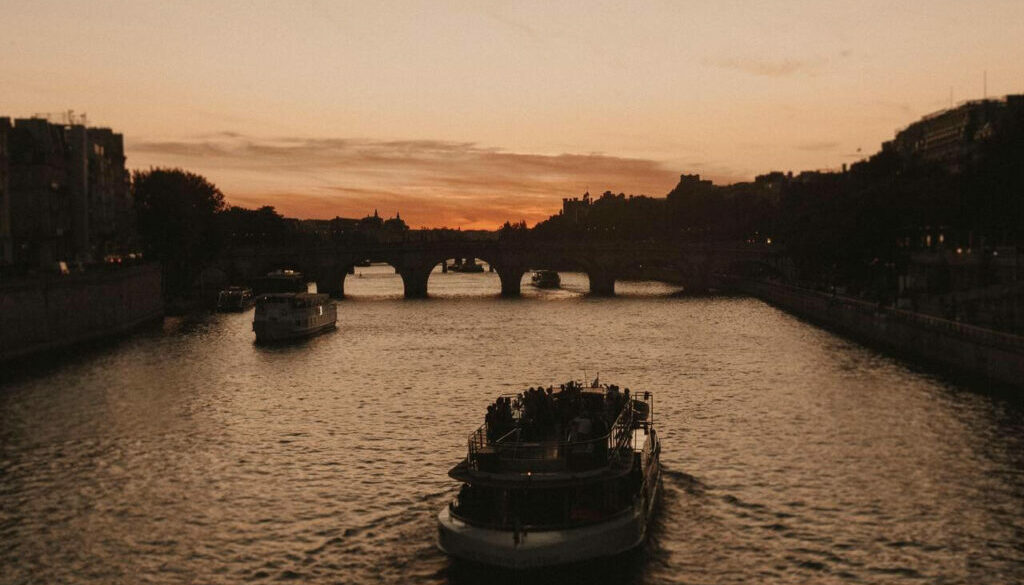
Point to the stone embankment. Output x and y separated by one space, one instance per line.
53 312
991 354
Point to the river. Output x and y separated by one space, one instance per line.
186 454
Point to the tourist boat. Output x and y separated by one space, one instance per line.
284 316
546 279
541 488
235 298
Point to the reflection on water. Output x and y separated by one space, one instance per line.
189 454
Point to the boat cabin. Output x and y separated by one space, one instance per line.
556 457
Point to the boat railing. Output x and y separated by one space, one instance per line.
509 453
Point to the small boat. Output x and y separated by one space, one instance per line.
285 316
235 298
555 476
546 279
470 265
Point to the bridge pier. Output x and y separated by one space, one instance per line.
696 287
602 283
511 279
414 280
414 257
332 285
696 279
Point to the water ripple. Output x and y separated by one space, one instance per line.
188 454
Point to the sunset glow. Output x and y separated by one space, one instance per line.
467 114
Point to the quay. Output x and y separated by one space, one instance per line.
53 312
977 351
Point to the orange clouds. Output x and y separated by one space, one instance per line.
433 183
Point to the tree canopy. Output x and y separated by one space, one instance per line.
177 220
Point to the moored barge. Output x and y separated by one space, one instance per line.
235 298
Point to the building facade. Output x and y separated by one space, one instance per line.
576 210
6 244
65 194
949 137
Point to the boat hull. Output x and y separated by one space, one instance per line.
275 332
532 549
546 280
287 316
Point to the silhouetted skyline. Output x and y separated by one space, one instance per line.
463 115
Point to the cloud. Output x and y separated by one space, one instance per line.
817 146
432 182
762 67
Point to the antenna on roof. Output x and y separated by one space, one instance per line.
984 84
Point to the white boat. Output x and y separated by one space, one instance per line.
541 489
283 316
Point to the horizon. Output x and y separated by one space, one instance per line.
466 116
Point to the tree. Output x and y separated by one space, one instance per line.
177 220
238 225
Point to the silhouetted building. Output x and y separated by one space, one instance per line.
949 136
690 185
396 223
375 223
111 220
66 193
344 224
371 223
576 210
325 229
6 244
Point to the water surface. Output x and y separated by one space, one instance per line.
186 454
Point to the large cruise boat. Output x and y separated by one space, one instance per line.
555 476
283 316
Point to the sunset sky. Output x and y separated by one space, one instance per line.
470 113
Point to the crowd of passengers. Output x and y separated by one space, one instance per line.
564 414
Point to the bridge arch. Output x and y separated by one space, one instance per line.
441 275
416 256
372 277
601 275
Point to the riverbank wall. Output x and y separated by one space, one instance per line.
57 311
967 349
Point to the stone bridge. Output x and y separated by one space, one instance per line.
695 266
